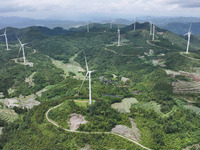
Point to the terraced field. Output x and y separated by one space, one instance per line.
8 115
186 87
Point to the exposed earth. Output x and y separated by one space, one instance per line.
132 133
76 120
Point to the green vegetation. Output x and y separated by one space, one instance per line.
165 119
34 128
98 116
7 116
177 131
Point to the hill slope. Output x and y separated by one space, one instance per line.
141 68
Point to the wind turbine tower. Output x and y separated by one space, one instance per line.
188 34
134 24
5 35
110 24
88 27
22 48
118 32
150 23
154 28
89 75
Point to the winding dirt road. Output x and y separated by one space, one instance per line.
82 132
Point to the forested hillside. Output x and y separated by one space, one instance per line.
161 80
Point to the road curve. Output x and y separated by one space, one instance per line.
82 132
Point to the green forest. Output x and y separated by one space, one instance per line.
166 119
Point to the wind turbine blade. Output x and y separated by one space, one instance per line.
25 44
93 71
5 31
86 61
82 83
2 35
19 40
190 27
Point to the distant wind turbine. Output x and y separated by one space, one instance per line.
87 74
153 37
150 24
88 27
110 24
188 34
22 48
118 32
134 24
5 35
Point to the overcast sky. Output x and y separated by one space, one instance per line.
84 9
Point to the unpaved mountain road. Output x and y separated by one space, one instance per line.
82 132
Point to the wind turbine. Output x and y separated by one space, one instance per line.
134 24
5 35
188 34
88 27
22 48
87 74
118 32
154 28
150 23
110 24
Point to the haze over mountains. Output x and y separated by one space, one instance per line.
20 22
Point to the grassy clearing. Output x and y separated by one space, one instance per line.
152 105
49 87
157 107
70 67
29 80
193 108
81 102
125 105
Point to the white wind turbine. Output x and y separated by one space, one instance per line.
5 35
87 74
151 27
22 48
118 32
154 28
134 24
88 27
188 34
110 24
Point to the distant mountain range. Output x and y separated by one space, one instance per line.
182 28
19 22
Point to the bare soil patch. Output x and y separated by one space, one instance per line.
132 133
76 120
194 147
87 147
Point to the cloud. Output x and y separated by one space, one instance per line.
79 8
185 3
